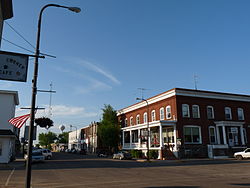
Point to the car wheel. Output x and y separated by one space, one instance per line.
239 157
49 157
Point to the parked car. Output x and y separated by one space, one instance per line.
122 155
37 156
46 153
243 154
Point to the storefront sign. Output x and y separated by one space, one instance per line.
13 66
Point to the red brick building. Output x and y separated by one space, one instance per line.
188 123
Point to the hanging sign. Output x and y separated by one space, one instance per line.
13 66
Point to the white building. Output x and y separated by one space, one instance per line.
74 139
8 133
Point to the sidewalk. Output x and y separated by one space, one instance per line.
18 163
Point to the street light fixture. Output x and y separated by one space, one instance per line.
34 89
142 99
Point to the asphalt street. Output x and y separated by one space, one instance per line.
72 170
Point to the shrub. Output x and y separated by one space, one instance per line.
153 154
136 153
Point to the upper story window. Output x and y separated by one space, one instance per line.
240 113
192 134
168 112
185 110
153 115
131 121
196 111
162 113
210 112
145 117
138 119
126 122
228 113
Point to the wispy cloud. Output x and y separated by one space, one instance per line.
95 68
94 85
61 111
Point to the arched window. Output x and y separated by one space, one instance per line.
168 112
138 119
153 115
126 122
240 113
145 117
196 111
210 112
131 121
228 113
162 113
185 111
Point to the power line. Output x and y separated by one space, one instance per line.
17 45
20 35
25 41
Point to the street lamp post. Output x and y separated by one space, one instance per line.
142 99
34 90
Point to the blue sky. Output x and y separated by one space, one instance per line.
113 47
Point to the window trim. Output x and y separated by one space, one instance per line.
198 113
213 127
212 112
188 111
162 113
230 113
168 107
242 111
193 126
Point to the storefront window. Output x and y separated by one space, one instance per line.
127 137
144 134
134 136
192 135
155 137
168 135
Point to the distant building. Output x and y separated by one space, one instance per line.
75 139
188 123
84 138
8 133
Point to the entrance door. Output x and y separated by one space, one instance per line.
233 138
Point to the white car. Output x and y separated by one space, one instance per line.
46 153
243 154
37 156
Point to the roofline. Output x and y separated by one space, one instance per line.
15 93
186 92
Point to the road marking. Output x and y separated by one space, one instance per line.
8 180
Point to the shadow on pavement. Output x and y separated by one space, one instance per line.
71 161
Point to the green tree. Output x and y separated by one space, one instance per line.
63 138
46 139
108 130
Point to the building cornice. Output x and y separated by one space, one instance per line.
187 93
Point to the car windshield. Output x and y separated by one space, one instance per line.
36 153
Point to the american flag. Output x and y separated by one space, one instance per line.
19 121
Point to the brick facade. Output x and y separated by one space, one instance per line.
225 133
